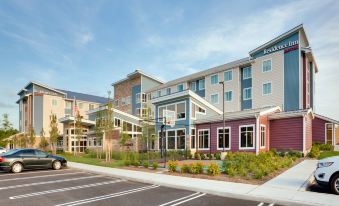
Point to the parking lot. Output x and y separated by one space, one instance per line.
70 187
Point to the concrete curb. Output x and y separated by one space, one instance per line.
123 174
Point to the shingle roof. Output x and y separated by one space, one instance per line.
84 97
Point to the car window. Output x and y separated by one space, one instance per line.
27 153
12 152
39 153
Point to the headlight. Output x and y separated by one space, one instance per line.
324 164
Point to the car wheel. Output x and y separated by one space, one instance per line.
56 165
335 184
17 167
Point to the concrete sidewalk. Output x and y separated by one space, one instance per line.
287 188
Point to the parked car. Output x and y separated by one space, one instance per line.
2 150
327 173
19 159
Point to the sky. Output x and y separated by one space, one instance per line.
86 45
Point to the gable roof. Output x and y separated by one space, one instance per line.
41 85
326 118
84 97
136 73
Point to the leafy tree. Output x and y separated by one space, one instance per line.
43 142
78 130
99 129
6 130
6 125
124 136
53 132
31 137
148 129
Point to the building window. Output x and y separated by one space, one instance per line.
181 114
201 84
144 97
203 136
68 105
228 96
159 93
180 139
81 105
267 66
123 101
91 106
137 98
168 91
192 138
180 87
54 102
228 75
117 122
247 94
196 109
262 136
193 86
128 100
267 88
221 138
247 73
171 139
247 137
214 98
214 79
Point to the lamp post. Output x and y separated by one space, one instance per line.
223 113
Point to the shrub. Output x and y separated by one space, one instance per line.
196 168
155 165
172 166
197 156
127 162
202 156
185 168
210 156
315 152
217 156
258 174
189 156
230 171
294 153
145 164
213 169
324 147
136 163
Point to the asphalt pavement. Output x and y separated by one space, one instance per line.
70 187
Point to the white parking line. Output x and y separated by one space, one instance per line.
41 176
271 204
261 204
186 200
64 189
167 203
48 182
104 197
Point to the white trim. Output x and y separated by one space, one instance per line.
257 134
175 138
195 138
195 86
195 117
247 148
217 75
333 130
243 73
199 84
183 87
262 65
230 70
229 138
217 96
175 109
243 94
260 144
231 96
209 140
262 88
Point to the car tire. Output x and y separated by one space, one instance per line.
56 165
17 167
334 184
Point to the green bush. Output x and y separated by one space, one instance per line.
213 169
127 162
172 166
202 156
197 168
197 156
136 163
145 164
217 156
324 147
155 165
315 152
189 156
210 156
185 168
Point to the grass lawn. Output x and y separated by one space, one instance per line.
328 154
92 161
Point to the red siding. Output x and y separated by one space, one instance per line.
318 130
287 133
234 134
308 122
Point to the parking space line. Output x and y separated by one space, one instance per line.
271 204
104 197
33 172
261 204
48 182
41 176
167 203
64 189
186 200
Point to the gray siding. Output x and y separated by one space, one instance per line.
38 114
291 80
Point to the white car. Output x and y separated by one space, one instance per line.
2 150
327 173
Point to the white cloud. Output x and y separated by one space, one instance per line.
85 38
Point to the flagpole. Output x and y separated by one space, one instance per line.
74 106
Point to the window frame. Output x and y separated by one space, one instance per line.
253 136
175 110
261 142
262 65
262 89
213 80
175 138
200 85
195 86
209 139
226 95
168 91
191 136
213 95
243 95
243 73
182 87
229 138
228 71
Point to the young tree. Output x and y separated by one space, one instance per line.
31 137
108 128
53 132
148 129
99 129
78 130
43 142
124 136
6 124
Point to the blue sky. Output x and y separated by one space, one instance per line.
84 46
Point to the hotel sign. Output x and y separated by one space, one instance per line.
292 45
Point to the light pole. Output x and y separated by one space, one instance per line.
223 114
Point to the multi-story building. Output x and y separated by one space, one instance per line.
38 102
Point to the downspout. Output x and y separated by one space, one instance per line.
257 116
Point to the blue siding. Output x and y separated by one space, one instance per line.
135 90
197 91
38 114
291 80
245 83
293 37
